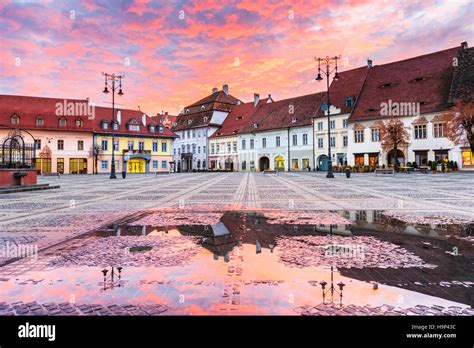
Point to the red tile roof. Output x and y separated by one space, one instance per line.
274 115
219 96
105 114
463 81
426 79
29 108
349 84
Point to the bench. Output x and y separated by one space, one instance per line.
424 169
406 170
52 174
161 173
385 171
274 172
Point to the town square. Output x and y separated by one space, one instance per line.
303 164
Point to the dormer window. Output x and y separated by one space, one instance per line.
370 110
388 84
133 125
190 122
62 122
160 129
188 111
294 119
239 118
206 118
115 125
255 125
203 107
78 123
175 124
235 131
152 128
421 78
105 125
349 102
39 121
15 119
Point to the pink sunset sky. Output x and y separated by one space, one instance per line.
173 53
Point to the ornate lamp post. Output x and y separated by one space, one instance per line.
328 61
112 282
110 81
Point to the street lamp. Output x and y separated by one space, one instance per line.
112 282
328 61
110 81
332 289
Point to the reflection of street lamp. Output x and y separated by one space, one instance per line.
332 289
112 282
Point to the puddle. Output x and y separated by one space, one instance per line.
255 263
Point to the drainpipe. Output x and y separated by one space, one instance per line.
289 163
314 148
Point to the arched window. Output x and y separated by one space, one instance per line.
78 123
39 120
62 122
15 119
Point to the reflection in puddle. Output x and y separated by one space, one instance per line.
250 263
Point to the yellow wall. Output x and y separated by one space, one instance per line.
123 144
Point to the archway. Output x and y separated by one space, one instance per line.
323 163
280 163
264 163
400 158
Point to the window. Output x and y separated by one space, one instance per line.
104 145
264 142
38 144
420 131
295 140
252 143
228 147
15 119
218 149
244 165
60 144
164 146
194 134
194 148
155 146
104 164
189 134
212 149
244 145
155 164
115 125
62 122
320 126
80 145
204 150
375 134
163 164
60 165
345 123
358 136
234 146
277 141
438 130
333 124
199 149
320 143
294 164
349 102
79 123
130 145
133 126
174 151
39 121
204 161
116 145
305 139
333 141
105 125
344 140
183 149
294 119
152 128
467 157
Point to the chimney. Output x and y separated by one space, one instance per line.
119 117
166 113
369 63
214 90
144 119
225 88
464 46
256 98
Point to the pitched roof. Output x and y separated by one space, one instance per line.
425 79
127 116
463 81
29 108
292 112
219 96
348 84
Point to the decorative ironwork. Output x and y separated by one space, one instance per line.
15 152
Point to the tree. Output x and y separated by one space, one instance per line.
393 135
460 127
95 152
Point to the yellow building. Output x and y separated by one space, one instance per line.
141 145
